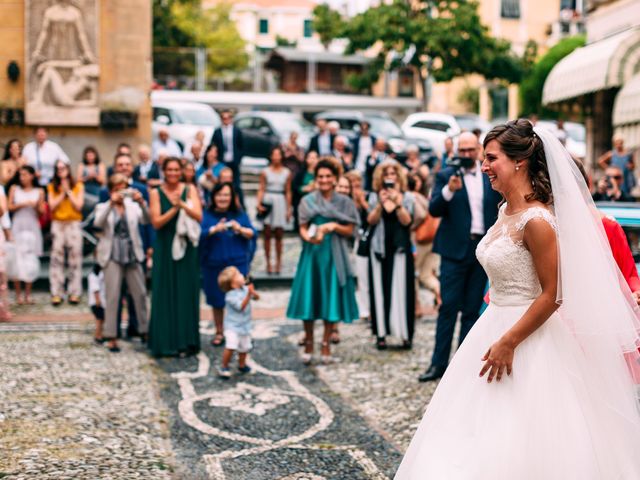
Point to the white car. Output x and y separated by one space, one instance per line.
433 127
184 120
574 136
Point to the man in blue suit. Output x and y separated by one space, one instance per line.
468 207
230 143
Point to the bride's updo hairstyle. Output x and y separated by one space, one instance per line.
519 142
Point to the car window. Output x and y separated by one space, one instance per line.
261 123
158 111
633 237
197 117
384 127
432 125
245 123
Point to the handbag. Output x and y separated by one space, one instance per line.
265 213
426 231
364 243
44 219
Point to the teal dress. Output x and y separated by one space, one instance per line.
316 293
175 293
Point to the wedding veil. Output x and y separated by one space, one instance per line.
595 302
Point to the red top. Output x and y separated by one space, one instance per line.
621 252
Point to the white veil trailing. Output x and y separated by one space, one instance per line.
596 303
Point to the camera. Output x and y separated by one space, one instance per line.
228 224
609 182
388 185
458 163
127 193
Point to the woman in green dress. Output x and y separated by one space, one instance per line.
324 284
175 292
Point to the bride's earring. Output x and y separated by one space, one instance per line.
517 167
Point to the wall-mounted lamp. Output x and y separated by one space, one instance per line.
13 71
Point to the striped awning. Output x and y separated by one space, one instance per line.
604 64
626 112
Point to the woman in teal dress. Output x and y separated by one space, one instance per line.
324 284
175 290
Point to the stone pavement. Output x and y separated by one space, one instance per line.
72 409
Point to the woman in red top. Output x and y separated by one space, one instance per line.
622 254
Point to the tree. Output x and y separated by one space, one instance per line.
183 23
440 38
327 23
533 82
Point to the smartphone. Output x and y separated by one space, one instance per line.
228 224
313 230
127 193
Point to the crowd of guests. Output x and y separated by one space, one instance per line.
370 228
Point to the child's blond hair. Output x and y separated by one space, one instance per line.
226 277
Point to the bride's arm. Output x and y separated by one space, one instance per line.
540 240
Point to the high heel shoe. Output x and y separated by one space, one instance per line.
307 356
327 358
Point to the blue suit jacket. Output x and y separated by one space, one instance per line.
238 147
453 236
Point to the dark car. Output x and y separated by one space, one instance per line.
264 130
381 125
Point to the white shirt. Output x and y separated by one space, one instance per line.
365 147
227 142
474 184
96 284
43 158
324 143
171 148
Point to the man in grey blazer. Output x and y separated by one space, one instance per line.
120 253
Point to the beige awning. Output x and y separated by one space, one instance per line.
600 65
626 112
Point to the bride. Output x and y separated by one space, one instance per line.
541 388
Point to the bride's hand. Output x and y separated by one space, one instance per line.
498 359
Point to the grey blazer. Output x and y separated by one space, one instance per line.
105 219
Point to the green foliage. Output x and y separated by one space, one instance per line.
183 23
327 23
444 37
285 42
470 97
533 83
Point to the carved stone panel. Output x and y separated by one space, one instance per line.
62 68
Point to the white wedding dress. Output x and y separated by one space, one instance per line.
547 421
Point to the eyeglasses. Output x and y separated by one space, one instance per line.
467 150
615 177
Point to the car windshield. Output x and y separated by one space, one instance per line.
469 123
384 127
197 117
289 124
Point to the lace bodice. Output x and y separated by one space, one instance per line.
508 263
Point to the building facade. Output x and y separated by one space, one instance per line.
82 69
601 80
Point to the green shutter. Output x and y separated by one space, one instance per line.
264 26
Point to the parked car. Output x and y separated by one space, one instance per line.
432 127
470 122
381 125
264 130
628 216
575 141
184 120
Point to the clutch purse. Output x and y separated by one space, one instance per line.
265 213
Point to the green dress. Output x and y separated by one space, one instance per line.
316 292
175 293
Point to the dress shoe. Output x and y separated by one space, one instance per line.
432 373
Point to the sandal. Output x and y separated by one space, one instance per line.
74 299
381 344
327 358
334 338
56 300
307 356
218 340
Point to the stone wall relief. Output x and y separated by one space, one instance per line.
62 65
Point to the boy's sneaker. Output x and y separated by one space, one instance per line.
244 370
224 373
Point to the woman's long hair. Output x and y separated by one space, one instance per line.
90 149
56 181
7 148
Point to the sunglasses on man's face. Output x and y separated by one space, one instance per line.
615 177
